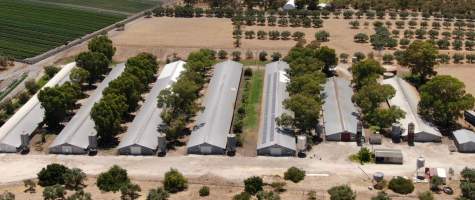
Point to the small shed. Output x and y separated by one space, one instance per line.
465 140
375 139
388 156
290 5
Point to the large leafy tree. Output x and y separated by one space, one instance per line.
420 57
51 175
57 102
309 84
443 99
328 57
306 112
369 97
128 86
102 44
366 72
95 63
112 180
107 116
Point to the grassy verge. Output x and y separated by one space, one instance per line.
253 62
254 96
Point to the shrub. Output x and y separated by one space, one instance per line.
322 36
7 196
175 181
242 196
50 71
74 178
31 86
427 195
294 174
236 55
468 174
359 56
435 182
388 58
248 72
342 192
158 194
262 56
381 196
222 54
253 185
30 186
204 191
130 191
80 195
113 179
312 195
51 175
278 186
276 56
263 195
54 192
401 185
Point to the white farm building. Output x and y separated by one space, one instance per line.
407 99
28 117
465 140
142 136
274 140
79 135
340 116
210 135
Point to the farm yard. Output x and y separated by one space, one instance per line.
308 103
130 6
31 28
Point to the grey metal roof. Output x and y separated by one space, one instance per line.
275 92
214 123
27 118
464 136
143 130
407 99
339 112
394 153
77 131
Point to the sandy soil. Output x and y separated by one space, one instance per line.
464 72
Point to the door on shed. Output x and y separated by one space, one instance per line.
135 150
205 149
67 149
275 151
345 137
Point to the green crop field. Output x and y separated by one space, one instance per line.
131 6
31 28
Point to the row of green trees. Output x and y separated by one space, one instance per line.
178 102
274 35
60 101
308 66
57 179
122 95
370 94
271 20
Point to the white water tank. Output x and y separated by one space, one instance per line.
378 176
301 143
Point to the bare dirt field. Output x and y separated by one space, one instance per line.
464 72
